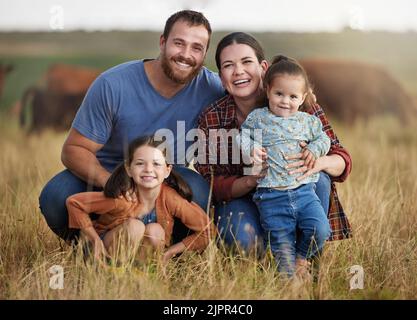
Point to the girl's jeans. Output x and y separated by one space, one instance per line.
282 214
238 220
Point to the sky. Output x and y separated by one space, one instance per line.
244 15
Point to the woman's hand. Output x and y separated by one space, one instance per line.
306 164
305 159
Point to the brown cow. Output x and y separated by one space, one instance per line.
4 70
69 79
48 110
351 90
56 105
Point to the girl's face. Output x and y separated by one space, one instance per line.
286 94
148 168
240 71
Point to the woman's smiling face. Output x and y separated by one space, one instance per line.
240 71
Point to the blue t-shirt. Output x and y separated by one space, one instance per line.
122 105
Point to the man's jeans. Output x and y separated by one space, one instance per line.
282 213
238 220
64 184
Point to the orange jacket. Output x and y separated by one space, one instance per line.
114 212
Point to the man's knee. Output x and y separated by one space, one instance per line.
197 184
52 202
53 208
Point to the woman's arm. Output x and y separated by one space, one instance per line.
243 185
223 179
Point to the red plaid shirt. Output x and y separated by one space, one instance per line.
222 115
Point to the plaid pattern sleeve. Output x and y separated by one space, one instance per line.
219 115
338 220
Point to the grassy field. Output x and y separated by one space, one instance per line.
378 197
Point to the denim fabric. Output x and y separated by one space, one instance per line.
149 217
238 223
282 213
200 189
64 184
238 220
323 187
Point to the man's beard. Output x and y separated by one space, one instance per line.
174 76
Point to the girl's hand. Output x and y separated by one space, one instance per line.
259 164
172 251
259 155
100 252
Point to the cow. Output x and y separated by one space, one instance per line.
69 79
55 104
48 110
350 90
4 71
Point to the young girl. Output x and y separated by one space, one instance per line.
162 195
292 216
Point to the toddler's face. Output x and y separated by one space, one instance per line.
286 94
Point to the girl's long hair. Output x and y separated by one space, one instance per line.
119 182
285 65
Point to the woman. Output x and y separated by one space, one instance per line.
241 63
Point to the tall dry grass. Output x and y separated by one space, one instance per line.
379 198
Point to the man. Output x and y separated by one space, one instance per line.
134 99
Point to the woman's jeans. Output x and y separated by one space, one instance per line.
64 184
282 214
238 220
